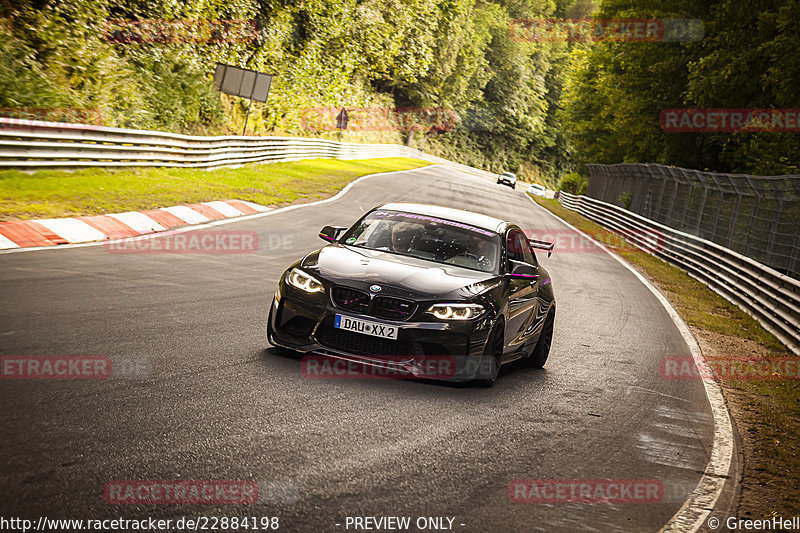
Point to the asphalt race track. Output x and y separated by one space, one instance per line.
217 403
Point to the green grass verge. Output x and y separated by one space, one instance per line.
60 193
767 413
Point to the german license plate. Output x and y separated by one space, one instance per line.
366 327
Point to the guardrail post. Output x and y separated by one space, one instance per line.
720 199
668 219
690 191
773 230
702 204
735 216
753 216
664 179
649 178
640 196
794 259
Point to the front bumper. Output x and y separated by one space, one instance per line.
451 351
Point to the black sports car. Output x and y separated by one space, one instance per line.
409 283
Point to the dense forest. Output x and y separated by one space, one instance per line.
458 78
748 58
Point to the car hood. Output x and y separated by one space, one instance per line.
359 266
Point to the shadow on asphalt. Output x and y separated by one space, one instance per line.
509 373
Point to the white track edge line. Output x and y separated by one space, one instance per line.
695 510
215 222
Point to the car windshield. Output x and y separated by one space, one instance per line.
431 238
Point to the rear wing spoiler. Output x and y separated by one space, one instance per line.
543 245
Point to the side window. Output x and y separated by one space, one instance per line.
519 248
513 250
526 250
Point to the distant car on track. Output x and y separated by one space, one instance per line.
408 282
507 178
538 190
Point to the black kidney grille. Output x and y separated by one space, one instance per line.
393 308
380 306
351 299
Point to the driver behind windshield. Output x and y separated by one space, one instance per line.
483 250
403 234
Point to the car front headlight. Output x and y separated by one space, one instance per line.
305 282
456 311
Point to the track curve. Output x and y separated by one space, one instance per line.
218 405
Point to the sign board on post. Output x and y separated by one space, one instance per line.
341 119
243 82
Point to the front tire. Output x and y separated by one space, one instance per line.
490 362
540 352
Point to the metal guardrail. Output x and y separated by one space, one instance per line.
767 295
756 216
32 144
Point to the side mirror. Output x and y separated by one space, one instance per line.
331 233
520 270
542 245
